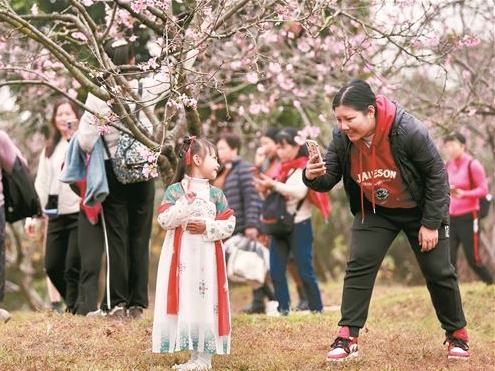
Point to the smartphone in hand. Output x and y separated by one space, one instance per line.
314 149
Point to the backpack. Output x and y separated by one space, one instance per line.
484 202
131 156
21 199
277 221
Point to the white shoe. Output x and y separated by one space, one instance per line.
97 313
192 366
4 315
272 308
183 366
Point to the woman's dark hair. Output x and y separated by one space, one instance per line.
233 140
200 147
288 135
54 134
271 133
356 94
120 51
455 136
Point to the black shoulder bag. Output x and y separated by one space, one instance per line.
21 199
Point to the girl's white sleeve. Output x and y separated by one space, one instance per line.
219 229
175 215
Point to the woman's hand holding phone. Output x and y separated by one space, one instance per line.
315 166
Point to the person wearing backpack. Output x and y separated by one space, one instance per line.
267 162
299 241
8 154
468 183
128 208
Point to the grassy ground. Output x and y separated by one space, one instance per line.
402 333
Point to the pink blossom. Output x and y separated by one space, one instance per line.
468 41
309 132
300 139
76 84
150 170
466 75
166 4
174 105
72 93
35 10
314 131
270 37
235 65
189 102
303 46
150 64
139 5
405 3
252 78
275 68
258 108
434 41
285 83
79 36
103 129
418 43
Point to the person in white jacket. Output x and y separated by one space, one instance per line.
128 209
61 208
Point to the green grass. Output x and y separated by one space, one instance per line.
402 333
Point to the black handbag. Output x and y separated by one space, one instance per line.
277 221
21 199
484 202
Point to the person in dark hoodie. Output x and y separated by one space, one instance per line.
395 180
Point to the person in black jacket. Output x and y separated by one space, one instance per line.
8 154
395 180
236 180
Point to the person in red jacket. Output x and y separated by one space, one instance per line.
468 184
395 180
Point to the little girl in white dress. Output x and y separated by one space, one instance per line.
192 310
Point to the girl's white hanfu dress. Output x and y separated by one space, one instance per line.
191 311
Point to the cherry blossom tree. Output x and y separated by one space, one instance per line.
247 64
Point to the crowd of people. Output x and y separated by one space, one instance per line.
217 194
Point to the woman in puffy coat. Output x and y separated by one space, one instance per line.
395 181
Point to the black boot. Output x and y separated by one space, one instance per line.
258 303
303 300
268 292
